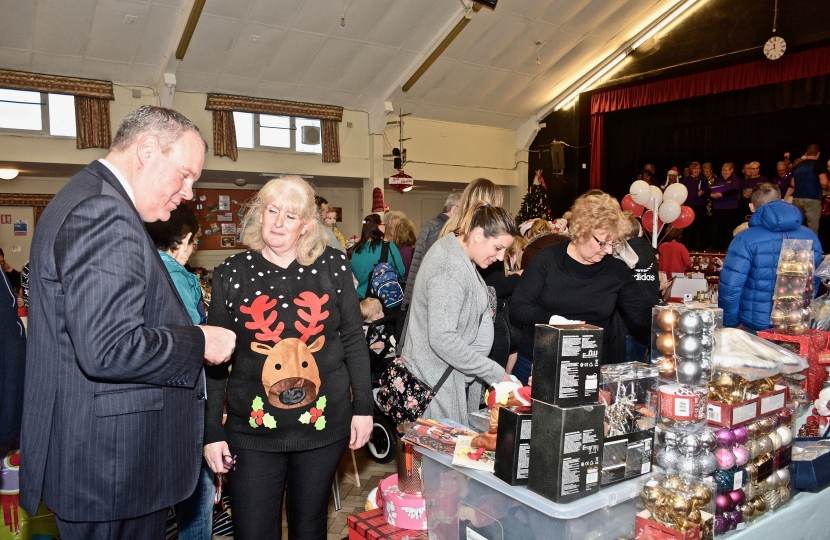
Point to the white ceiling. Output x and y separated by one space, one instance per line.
297 49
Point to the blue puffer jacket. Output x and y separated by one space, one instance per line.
748 276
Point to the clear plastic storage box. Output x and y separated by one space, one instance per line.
465 503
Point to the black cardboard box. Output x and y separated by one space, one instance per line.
513 445
626 456
565 450
566 364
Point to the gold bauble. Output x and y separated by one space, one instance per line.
665 343
700 495
678 506
667 319
693 517
666 366
672 483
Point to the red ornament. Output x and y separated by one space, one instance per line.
257 416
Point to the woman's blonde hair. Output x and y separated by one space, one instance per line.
479 189
540 226
404 233
293 194
389 219
493 220
597 211
518 245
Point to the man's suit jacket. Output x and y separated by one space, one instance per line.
114 395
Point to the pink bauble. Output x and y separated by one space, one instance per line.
725 437
723 503
725 457
738 497
741 435
741 455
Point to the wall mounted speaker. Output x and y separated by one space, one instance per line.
311 135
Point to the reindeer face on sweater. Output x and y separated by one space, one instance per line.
289 376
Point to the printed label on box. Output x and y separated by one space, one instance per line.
739 480
472 535
524 431
743 413
523 461
772 403
713 413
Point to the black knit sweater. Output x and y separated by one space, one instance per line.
299 348
556 284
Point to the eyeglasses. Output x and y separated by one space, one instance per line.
602 245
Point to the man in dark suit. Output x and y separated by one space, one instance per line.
114 391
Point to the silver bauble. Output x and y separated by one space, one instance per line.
688 372
690 323
708 441
671 438
690 465
784 493
689 347
708 463
668 457
690 444
707 344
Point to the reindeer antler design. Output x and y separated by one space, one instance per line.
312 316
259 306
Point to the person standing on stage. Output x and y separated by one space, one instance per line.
809 179
698 188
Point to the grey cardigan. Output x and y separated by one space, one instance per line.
448 305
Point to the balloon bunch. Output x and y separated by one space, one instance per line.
678 503
793 291
643 200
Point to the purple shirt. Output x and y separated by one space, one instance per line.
783 183
749 183
693 185
730 187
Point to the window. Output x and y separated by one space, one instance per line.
31 111
271 131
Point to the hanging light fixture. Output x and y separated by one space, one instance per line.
9 174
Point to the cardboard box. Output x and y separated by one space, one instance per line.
732 415
809 346
371 525
566 451
566 364
774 401
646 529
513 445
626 456
810 475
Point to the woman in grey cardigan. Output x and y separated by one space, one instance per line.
449 305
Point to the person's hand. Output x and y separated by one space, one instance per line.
361 429
717 195
376 346
219 344
700 193
530 381
506 378
218 457
786 154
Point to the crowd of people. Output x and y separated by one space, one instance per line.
721 197
272 383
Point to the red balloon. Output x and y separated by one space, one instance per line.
648 221
629 205
687 216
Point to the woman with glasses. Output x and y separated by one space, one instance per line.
579 280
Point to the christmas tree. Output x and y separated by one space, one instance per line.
535 202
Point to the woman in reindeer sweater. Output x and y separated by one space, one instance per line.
299 349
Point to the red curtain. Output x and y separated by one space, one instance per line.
331 141
800 65
224 135
92 123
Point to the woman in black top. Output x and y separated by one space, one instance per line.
300 391
577 280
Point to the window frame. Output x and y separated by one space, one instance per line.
295 132
45 125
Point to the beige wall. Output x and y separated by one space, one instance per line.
438 152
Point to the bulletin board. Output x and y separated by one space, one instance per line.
220 212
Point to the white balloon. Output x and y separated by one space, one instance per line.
640 191
677 193
669 211
655 193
